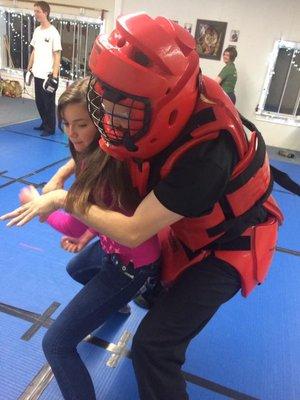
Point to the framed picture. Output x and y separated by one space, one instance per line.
234 35
210 37
188 27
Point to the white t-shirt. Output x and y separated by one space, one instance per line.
45 42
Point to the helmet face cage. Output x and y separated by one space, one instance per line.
125 122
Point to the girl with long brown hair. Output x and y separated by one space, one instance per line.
112 274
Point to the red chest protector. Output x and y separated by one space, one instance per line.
191 239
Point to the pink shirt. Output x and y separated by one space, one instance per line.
144 254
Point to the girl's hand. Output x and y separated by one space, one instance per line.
40 206
74 245
27 194
71 244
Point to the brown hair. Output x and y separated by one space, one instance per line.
100 179
232 52
44 6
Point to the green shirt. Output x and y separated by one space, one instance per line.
229 77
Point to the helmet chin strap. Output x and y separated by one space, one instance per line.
128 143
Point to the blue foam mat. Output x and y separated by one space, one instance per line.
3 181
21 155
20 360
251 346
27 129
45 175
289 232
290 168
34 261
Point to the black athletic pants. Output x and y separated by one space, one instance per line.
160 343
232 97
45 103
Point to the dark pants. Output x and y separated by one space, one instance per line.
45 103
232 97
109 285
160 343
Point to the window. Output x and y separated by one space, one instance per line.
280 99
77 39
18 32
77 36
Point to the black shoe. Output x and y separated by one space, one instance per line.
47 133
143 302
148 298
39 128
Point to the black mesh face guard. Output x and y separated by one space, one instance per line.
118 128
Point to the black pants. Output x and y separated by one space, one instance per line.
45 103
160 343
232 97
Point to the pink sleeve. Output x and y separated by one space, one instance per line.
66 224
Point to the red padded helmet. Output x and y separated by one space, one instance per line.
150 68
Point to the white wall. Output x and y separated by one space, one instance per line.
260 23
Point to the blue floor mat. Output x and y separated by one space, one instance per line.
4 181
26 128
251 347
255 339
290 168
22 155
289 233
19 360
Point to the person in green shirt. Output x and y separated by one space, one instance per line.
228 76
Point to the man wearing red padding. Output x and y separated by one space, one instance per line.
204 187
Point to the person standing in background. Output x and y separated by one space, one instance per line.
44 63
228 76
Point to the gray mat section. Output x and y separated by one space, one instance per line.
17 110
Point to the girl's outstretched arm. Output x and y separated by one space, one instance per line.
41 206
149 218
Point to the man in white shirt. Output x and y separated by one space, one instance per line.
44 63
